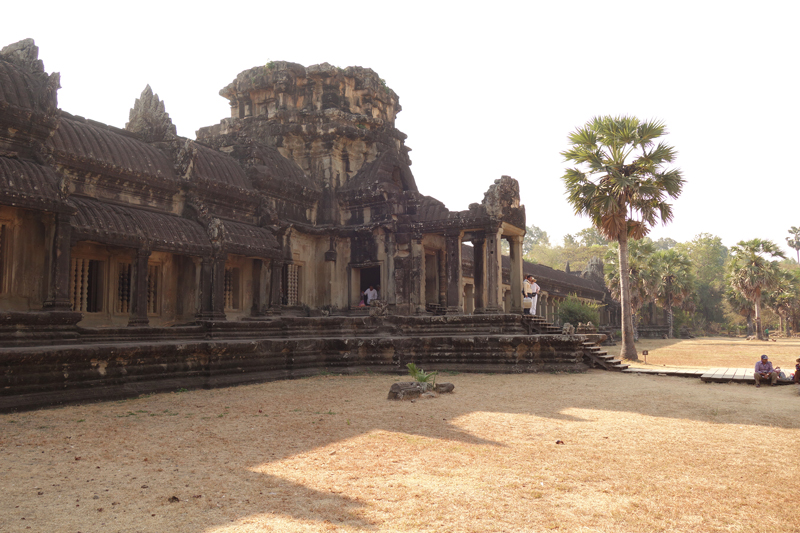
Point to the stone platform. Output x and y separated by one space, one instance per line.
111 363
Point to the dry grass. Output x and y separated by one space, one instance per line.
710 352
332 454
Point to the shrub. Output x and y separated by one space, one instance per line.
573 310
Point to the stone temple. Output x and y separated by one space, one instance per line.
134 260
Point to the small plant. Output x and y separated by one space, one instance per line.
182 390
270 65
419 375
576 311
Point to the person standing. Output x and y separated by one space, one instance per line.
527 292
534 293
370 295
764 370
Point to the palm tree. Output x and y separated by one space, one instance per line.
740 305
794 242
784 298
639 276
751 272
674 285
621 185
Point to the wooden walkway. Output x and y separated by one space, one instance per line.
712 375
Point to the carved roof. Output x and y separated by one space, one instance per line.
217 167
106 223
270 166
149 120
252 241
430 209
26 184
23 81
388 169
98 148
132 227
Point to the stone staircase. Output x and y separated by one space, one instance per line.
596 357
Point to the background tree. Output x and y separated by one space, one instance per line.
752 272
740 306
794 240
591 237
570 240
664 243
534 237
620 183
639 275
784 298
673 282
708 256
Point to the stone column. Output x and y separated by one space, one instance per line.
515 245
58 289
276 277
218 287
138 316
257 308
493 267
440 261
418 276
453 248
206 302
479 272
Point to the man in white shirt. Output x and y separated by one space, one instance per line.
534 293
370 294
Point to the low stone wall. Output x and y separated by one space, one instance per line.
104 365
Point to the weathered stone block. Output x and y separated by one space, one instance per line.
444 387
406 390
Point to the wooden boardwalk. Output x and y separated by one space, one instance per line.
708 375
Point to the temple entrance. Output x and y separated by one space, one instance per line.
361 279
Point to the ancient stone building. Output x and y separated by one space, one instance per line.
291 207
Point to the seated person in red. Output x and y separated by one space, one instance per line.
764 370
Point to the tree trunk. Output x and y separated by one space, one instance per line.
759 331
669 309
749 324
628 350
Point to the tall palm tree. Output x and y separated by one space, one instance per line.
674 286
784 298
752 272
620 183
740 305
794 240
639 275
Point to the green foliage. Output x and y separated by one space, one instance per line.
573 310
270 65
558 256
794 240
417 374
534 237
623 197
751 272
664 243
591 237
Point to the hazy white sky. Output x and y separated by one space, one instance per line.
487 89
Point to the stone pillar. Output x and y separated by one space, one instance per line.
440 261
276 277
493 267
479 272
138 309
206 302
257 308
58 289
453 248
417 273
218 287
515 245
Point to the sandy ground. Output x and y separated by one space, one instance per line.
330 453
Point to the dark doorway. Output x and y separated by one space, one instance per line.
371 276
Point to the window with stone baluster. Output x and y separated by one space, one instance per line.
86 284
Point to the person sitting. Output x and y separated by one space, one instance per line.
764 370
796 377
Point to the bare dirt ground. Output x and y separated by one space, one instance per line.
330 453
